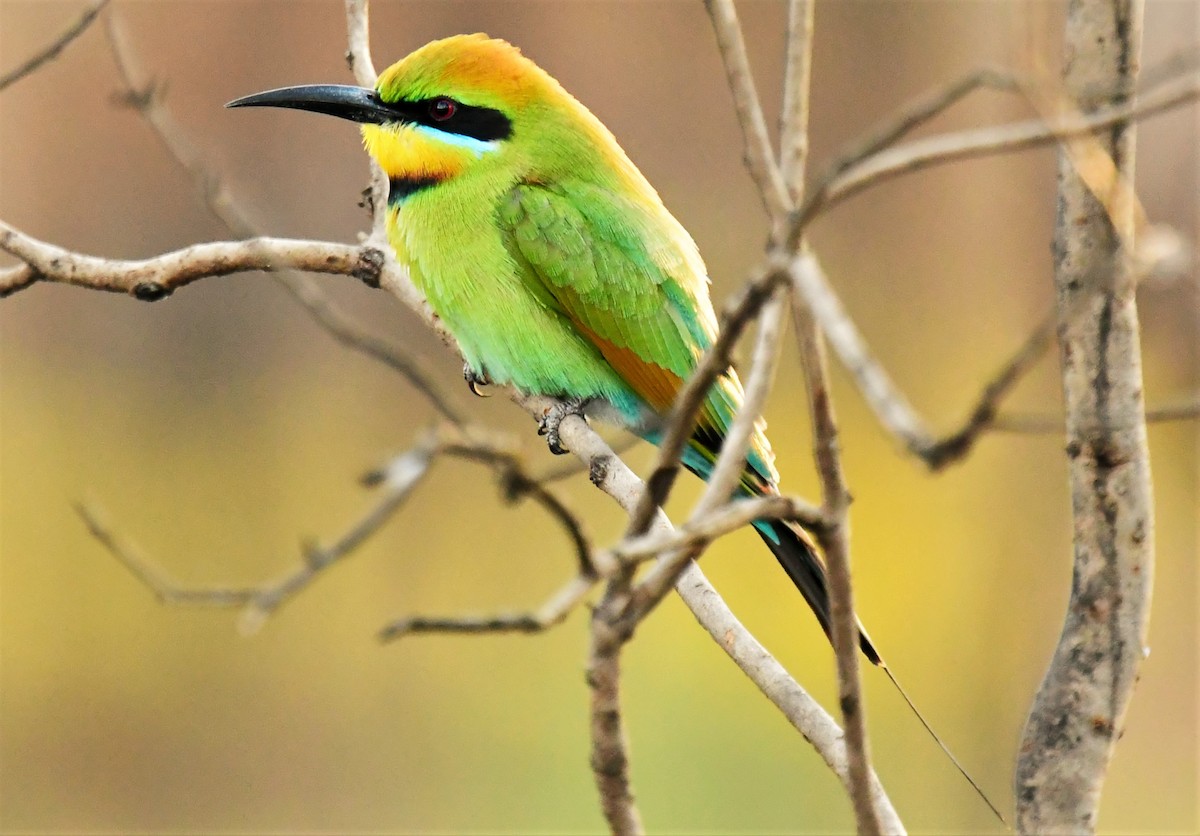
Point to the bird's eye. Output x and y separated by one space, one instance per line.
442 109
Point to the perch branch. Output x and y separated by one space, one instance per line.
612 476
155 278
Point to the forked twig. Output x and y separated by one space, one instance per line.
261 601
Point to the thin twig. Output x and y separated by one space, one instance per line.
52 49
553 612
16 278
1187 410
611 475
889 404
164 588
516 483
358 58
914 114
397 480
731 463
961 145
955 445
350 333
759 158
148 101
262 601
869 814
797 83
720 521
834 540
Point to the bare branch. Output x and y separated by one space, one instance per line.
610 759
52 49
759 158
260 602
731 463
889 404
516 483
1187 410
913 114
1080 709
166 590
702 530
16 278
155 278
148 102
350 333
358 58
955 445
962 145
779 190
797 81
834 540
553 612
611 475
358 37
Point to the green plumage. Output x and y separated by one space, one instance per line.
547 254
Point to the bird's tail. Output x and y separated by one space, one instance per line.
798 557
790 544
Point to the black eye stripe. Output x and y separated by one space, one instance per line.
482 123
403 187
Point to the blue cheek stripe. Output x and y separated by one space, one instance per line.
478 146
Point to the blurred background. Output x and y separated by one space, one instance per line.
220 427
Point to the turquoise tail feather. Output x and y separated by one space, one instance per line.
791 547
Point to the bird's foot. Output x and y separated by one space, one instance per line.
475 380
549 423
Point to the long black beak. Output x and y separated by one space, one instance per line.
358 104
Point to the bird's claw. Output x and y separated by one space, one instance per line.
552 419
475 380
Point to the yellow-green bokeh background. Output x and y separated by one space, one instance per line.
220 427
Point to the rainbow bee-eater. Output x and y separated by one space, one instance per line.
548 255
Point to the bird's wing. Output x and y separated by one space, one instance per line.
629 278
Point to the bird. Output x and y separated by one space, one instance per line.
554 263
550 257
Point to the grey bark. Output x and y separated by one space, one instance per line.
1078 714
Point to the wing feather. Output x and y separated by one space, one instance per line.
629 278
